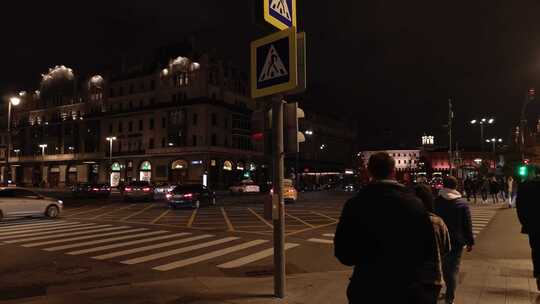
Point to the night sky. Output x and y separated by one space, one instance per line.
392 65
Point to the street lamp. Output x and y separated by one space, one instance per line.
494 141
43 146
482 123
13 101
309 132
110 140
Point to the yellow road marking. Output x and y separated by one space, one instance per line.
300 220
260 218
161 216
192 218
136 213
100 215
309 229
83 212
323 215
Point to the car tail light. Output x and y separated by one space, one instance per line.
168 196
146 189
128 189
188 195
291 190
95 189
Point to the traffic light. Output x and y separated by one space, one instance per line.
523 170
291 136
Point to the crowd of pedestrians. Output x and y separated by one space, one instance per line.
405 244
482 189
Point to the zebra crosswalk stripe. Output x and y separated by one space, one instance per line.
150 247
101 241
163 254
59 235
208 256
18 227
253 257
117 245
86 237
41 229
53 231
322 241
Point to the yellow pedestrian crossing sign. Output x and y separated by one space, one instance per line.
274 64
280 13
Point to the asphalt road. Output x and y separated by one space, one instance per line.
108 242
103 242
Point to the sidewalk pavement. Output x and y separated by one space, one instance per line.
499 270
314 288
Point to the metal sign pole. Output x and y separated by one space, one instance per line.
278 208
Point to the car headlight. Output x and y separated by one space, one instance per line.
60 202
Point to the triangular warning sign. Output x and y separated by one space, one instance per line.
273 66
281 7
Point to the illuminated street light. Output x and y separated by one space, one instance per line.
43 146
110 140
13 101
482 123
309 132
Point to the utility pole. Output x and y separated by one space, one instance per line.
450 119
278 207
531 95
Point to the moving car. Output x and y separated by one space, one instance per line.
290 194
193 196
138 190
19 202
245 186
161 190
91 190
350 188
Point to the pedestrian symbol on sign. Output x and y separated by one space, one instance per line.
281 7
273 66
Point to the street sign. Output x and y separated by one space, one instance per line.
301 69
274 64
280 13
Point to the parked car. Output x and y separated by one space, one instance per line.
290 194
191 196
245 186
91 190
19 202
138 190
161 190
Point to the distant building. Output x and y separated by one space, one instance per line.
406 160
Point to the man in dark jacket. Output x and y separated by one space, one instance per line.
455 212
528 210
386 234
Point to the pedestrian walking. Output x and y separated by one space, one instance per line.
528 210
469 186
456 214
484 188
386 234
432 273
494 190
512 191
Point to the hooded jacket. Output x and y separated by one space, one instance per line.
456 214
